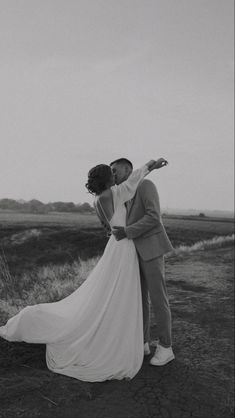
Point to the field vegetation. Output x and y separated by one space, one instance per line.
45 261
31 240
44 258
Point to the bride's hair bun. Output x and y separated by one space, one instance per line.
98 178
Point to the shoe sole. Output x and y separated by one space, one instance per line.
163 363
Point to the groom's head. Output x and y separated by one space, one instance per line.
121 169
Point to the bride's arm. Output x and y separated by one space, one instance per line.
126 190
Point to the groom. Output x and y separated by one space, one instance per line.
145 227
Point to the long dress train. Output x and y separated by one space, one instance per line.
96 333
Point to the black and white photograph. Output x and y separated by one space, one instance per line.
117 208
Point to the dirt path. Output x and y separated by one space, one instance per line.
197 384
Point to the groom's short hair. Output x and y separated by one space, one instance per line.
122 161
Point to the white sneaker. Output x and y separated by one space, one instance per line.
146 349
162 356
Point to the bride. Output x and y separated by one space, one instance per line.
96 333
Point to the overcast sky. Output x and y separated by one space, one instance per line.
84 82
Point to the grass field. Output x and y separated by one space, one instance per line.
30 241
33 240
43 246
12 218
45 257
55 218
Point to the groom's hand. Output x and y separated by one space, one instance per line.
119 232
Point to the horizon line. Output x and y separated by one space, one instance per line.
162 209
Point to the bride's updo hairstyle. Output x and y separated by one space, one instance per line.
98 179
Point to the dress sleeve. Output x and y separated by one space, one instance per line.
126 190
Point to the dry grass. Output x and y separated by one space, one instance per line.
216 242
51 283
46 284
7 280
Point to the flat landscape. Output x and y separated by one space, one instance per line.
47 256
32 240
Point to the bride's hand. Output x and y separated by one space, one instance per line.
156 164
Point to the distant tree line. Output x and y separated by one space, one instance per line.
35 206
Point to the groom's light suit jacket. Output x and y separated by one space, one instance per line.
144 222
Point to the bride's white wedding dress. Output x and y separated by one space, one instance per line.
96 333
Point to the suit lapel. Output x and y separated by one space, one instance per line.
129 205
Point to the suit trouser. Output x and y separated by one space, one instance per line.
152 276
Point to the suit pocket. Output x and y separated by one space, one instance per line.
153 246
